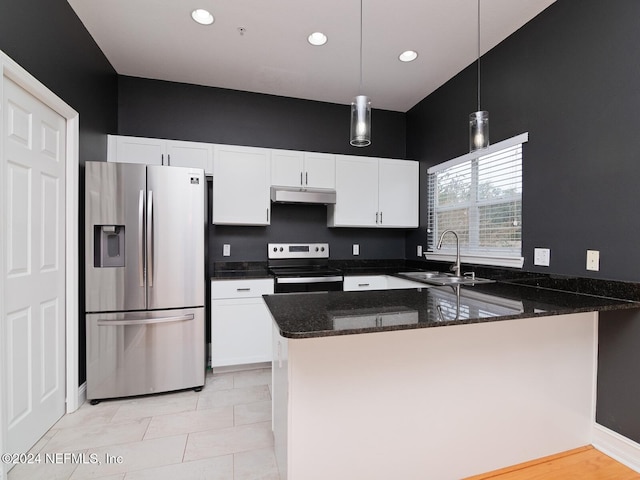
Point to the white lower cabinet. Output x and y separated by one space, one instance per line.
356 283
240 322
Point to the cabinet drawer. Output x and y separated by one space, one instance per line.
365 282
241 288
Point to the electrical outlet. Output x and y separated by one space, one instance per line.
356 249
419 251
541 257
593 260
226 250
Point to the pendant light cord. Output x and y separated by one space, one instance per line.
360 88
478 55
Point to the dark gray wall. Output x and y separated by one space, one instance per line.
153 108
571 78
49 41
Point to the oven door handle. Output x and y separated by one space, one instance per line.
337 278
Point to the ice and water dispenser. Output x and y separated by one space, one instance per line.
108 248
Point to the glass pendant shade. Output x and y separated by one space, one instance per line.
361 121
478 130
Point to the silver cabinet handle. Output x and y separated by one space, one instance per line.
243 289
380 218
162 159
306 178
376 218
301 179
168 159
150 238
103 322
267 215
141 237
363 284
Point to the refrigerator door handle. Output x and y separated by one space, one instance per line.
141 237
150 238
145 321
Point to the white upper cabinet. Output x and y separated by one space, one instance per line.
149 151
291 168
190 154
356 193
319 170
241 183
398 193
155 151
375 192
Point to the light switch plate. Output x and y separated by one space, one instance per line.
593 260
356 249
541 257
226 250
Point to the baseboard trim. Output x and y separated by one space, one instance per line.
621 448
82 395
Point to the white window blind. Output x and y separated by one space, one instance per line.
479 196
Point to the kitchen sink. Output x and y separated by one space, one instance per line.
442 278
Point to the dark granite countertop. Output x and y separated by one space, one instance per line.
308 315
239 270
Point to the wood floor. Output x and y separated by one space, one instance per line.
584 463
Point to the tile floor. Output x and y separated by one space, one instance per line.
220 433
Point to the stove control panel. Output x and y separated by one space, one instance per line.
298 250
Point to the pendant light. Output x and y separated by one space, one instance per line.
478 121
361 109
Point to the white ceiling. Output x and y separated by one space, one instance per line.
157 39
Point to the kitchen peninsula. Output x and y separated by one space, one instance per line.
437 383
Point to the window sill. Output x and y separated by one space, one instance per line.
515 262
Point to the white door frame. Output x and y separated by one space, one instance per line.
24 79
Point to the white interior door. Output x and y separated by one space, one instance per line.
33 234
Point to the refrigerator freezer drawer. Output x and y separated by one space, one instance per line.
135 353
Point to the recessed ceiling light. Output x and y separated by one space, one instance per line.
202 16
317 38
408 56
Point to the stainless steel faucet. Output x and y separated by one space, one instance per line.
455 268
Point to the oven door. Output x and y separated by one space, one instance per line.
309 284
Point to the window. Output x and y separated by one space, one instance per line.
479 196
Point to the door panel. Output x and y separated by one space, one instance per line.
135 353
33 303
175 247
115 197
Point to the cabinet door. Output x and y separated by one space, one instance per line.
287 168
356 193
148 151
190 154
241 182
240 332
398 193
319 170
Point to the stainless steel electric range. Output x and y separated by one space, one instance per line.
303 267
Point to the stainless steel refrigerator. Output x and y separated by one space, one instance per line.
145 281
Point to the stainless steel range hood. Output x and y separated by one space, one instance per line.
323 196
